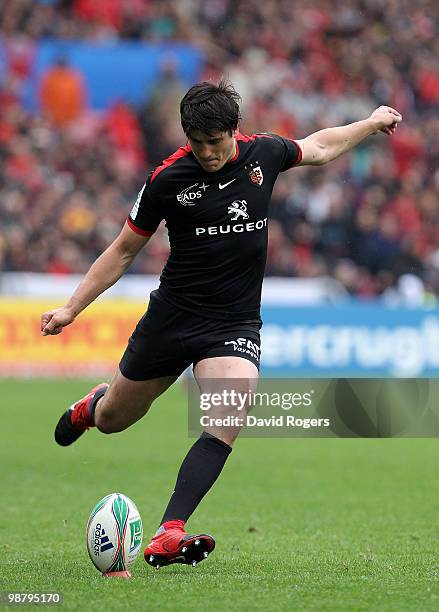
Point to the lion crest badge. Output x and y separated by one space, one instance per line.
255 174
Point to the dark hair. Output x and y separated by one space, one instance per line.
209 108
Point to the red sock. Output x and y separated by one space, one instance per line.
176 524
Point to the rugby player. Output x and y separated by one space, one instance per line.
213 194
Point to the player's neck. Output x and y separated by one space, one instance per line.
234 151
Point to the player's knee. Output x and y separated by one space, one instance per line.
108 423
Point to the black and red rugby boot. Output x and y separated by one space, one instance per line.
77 419
174 545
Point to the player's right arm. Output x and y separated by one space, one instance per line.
105 271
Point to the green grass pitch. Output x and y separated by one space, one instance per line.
315 524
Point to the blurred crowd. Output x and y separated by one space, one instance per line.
68 176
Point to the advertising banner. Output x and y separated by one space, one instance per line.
349 340
92 346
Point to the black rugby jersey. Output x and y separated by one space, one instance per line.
217 224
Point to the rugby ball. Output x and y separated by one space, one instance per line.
114 535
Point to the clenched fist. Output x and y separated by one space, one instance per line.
386 119
53 321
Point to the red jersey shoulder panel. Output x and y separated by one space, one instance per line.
253 137
179 153
247 138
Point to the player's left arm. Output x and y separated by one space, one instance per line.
325 145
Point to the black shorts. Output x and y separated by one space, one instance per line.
167 340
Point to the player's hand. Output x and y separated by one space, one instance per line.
386 119
53 321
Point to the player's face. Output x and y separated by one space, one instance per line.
214 150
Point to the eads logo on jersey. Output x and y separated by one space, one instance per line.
189 195
255 174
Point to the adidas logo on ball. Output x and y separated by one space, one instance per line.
102 541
